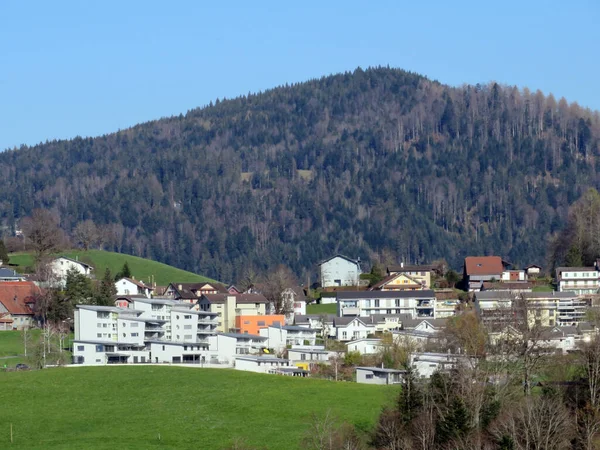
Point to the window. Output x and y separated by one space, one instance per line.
135 334
187 317
344 335
369 376
397 302
163 348
185 348
134 325
99 348
80 348
187 336
257 305
376 303
177 317
261 323
246 322
276 323
105 325
302 356
187 327
389 311
99 335
124 334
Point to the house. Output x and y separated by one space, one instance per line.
308 358
297 299
495 307
339 270
509 286
10 275
319 322
61 265
514 275
446 302
426 364
399 282
17 300
253 324
555 308
260 363
379 375
481 268
365 346
6 323
131 286
228 307
280 337
578 280
420 273
352 328
533 270
191 292
365 303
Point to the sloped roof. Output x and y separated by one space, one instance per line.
405 268
354 261
75 261
185 290
15 295
386 280
137 283
484 265
350 295
239 298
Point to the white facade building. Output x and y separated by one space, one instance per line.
278 338
352 328
426 364
260 364
128 286
339 270
61 265
367 346
578 280
367 303
378 375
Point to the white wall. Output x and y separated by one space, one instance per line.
339 271
354 330
60 267
261 366
364 347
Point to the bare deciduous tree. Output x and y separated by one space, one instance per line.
42 232
273 285
86 234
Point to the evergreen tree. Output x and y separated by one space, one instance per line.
106 290
78 288
4 258
410 399
125 272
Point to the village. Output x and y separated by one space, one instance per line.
213 325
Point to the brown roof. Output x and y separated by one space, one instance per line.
138 283
187 289
15 295
506 286
239 298
483 265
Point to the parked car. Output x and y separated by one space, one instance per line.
22 366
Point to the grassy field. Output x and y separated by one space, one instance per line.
141 269
543 288
330 308
173 407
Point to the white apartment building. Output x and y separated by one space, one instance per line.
578 280
339 270
278 338
366 303
147 330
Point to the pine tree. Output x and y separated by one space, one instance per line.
125 272
78 288
410 399
106 290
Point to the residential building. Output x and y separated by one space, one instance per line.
508 286
514 275
426 364
17 300
533 270
297 299
578 280
555 308
278 338
379 375
399 282
61 265
322 323
339 270
308 358
247 344
421 273
366 303
6 323
365 346
228 307
478 269
253 324
131 286
495 307
10 275
352 328
260 364
191 292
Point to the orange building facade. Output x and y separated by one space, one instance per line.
252 324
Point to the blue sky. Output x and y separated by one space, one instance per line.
71 68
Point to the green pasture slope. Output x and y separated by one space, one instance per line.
168 407
329 308
141 268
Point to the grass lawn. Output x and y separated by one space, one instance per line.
330 308
173 407
543 288
142 269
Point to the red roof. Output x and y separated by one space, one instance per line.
15 295
484 265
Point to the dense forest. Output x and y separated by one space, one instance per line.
361 163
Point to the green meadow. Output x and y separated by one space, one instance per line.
165 407
141 269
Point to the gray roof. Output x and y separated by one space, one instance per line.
104 308
9 273
306 318
261 358
73 260
585 326
495 295
294 328
161 301
340 256
413 323
314 352
553 294
381 370
354 295
245 336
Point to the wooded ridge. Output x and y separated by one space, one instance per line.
354 163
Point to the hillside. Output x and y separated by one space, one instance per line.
360 162
141 269
173 407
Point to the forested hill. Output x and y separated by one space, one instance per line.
356 163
